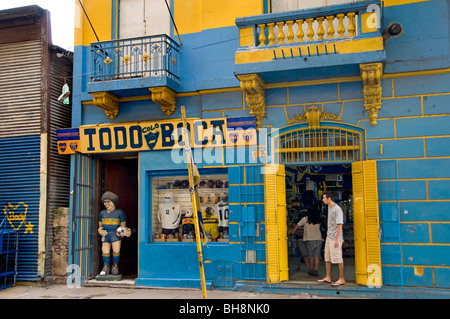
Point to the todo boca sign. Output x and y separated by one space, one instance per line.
160 135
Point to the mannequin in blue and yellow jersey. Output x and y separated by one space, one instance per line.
109 220
187 222
210 223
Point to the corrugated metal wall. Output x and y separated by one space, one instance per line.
59 165
20 88
19 196
28 109
20 147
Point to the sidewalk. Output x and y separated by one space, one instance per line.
83 292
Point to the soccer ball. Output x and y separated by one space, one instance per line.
122 232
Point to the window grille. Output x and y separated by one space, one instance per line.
320 145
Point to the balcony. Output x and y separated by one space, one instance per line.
132 67
319 43
302 44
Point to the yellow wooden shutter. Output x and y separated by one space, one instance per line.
276 227
366 223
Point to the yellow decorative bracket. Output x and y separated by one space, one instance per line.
314 116
107 102
254 88
371 76
165 97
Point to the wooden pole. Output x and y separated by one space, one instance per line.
194 180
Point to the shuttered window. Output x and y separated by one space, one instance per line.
366 224
276 226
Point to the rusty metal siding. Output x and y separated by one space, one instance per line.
60 117
58 165
31 171
20 88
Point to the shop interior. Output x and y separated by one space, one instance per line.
120 175
172 217
304 188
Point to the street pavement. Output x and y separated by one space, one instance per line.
58 291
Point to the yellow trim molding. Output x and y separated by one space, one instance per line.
107 102
254 88
165 97
266 53
371 74
314 116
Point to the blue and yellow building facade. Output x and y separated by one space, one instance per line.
281 102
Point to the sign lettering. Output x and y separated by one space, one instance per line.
160 135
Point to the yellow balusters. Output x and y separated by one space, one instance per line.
341 29
351 24
320 30
310 32
271 36
300 33
290 34
317 29
280 32
330 30
262 35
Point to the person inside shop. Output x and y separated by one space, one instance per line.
334 240
110 219
312 238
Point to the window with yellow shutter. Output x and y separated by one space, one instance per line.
366 224
276 231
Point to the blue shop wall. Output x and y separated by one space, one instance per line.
424 44
224 262
412 135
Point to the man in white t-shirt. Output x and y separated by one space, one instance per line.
333 243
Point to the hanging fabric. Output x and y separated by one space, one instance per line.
64 97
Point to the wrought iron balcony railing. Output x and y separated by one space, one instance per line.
153 56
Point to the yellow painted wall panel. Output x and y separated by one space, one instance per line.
388 3
188 16
246 37
344 47
197 15
362 45
100 14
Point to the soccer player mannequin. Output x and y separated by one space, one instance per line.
109 220
169 215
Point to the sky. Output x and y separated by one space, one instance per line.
62 14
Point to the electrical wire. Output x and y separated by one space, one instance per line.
95 33
173 21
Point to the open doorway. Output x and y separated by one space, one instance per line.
120 176
304 188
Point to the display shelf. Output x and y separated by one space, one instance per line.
212 190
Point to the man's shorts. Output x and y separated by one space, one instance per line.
333 254
302 247
111 237
313 247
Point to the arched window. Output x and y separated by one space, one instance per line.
325 144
